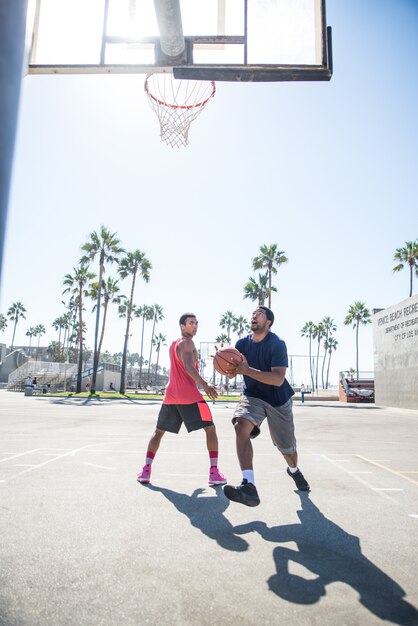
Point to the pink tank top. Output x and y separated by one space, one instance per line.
181 388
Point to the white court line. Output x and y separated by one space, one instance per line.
25 465
99 466
377 463
387 489
57 458
360 472
15 456
360 480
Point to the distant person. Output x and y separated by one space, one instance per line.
267 394
88 384
34 382
183 402
28 382
112 387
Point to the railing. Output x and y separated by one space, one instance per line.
44 371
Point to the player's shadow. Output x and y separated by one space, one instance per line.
207 514
333 555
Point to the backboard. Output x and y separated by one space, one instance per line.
230 40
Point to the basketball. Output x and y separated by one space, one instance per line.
226 360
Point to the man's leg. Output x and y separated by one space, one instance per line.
281 425
246 493
215 477
144 475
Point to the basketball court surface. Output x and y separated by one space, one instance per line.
83 543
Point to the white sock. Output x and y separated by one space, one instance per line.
293 469
248 475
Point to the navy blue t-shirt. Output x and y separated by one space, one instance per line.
263 355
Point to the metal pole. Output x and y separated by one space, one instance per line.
12 48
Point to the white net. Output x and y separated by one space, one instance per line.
177 103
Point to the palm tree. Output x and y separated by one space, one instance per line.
330 344
308 331
254 290
111 295
76 284
147 314
39 331
226 323
408 255
106 246
3 322
15 312
357 314
318 333
241 326
158 341
271 258
58 324
130 265
31 332
329 327
157 317
222 339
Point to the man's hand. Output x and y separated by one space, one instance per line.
241 368
210 391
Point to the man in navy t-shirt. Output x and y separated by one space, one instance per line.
266 394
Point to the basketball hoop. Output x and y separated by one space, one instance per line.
177 103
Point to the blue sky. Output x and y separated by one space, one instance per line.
328 171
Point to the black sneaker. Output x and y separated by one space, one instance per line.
246 493
299 478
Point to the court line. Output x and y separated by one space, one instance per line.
99 466
363 482
9 458
388 469
57 458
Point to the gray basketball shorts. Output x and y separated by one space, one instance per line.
279 419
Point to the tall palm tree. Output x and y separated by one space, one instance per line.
31 332
308 331
39 331
156 317
271 258
254 290
222 339
106 246
130 265
357 314
318 333
3 323
147 313
227 322
408 255
111 295
330 344
15 313
76 284
159 340
58 324
329 327
241 326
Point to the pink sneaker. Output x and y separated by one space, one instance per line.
145 475
215 477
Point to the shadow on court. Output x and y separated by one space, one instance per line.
207 514
334 555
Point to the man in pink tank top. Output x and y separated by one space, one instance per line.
183 402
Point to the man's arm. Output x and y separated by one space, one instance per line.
275 377
186 352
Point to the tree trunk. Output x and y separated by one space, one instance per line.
80 342
96 328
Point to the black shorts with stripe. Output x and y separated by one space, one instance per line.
194 416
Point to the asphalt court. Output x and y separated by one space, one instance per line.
84 543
